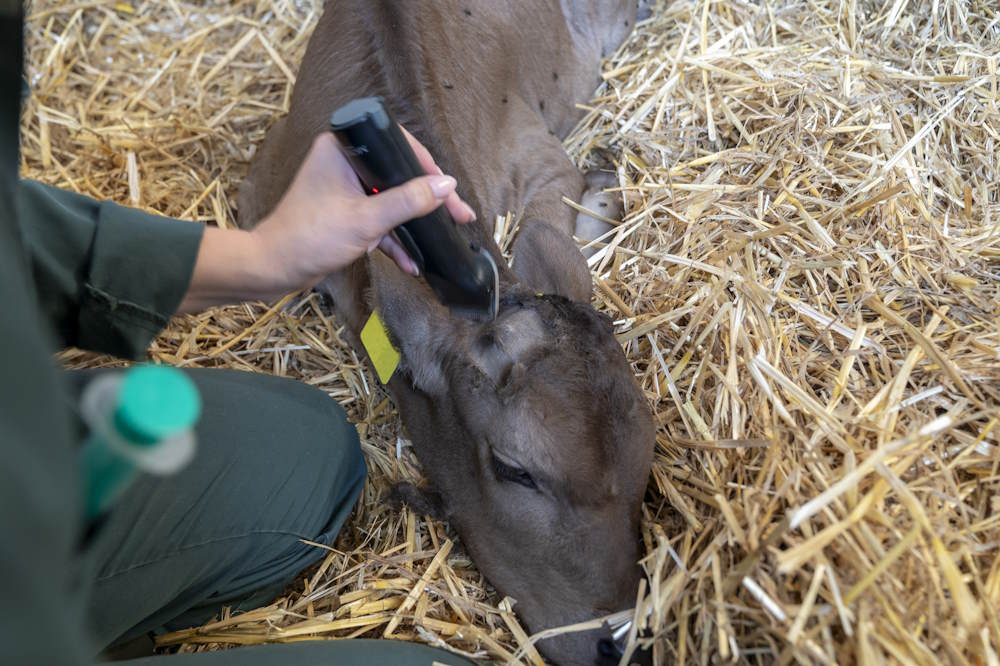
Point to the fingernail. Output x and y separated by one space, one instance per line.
442 186
472 213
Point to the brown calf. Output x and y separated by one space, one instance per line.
531 429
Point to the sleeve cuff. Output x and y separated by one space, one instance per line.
140 269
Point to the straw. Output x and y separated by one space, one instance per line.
806 282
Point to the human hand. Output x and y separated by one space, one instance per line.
325 221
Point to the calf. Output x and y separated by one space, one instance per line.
532 430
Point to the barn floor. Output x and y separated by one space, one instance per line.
807 283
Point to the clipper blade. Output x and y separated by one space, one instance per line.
483 303
462 275
487 299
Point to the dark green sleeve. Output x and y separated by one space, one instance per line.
108 277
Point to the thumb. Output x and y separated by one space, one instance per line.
412 199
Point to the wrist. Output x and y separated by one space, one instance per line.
273 271
233 266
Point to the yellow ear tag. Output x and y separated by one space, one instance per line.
384 356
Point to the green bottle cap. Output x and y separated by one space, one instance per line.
155 402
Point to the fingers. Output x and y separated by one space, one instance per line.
460 211
392 249
423 155
410 200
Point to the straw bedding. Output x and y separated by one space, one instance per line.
806 281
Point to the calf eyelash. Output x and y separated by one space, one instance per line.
505 472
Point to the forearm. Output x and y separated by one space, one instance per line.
232 267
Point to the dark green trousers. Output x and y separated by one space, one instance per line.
277 462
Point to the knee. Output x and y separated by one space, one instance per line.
326 470
322 441
286 448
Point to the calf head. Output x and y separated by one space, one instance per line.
536 435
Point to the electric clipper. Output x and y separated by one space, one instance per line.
462 274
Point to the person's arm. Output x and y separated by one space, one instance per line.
322 224
110 277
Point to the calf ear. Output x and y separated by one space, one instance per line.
419 325
549 261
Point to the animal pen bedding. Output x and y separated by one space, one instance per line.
806 282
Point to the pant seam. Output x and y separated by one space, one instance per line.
200 544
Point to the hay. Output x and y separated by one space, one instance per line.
807 282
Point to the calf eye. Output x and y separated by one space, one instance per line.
507 472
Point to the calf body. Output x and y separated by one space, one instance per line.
531 428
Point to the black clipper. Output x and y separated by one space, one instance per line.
462 275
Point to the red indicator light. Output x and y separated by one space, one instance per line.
374 190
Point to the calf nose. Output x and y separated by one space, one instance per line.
608 651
